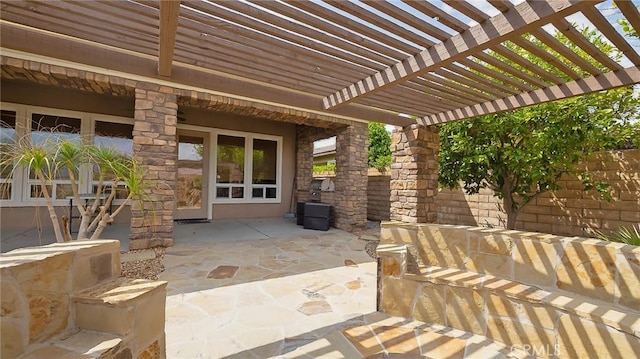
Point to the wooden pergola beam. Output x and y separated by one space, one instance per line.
609 80
21 38
520 19
169 11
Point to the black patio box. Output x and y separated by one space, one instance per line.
300 213
319 224
317 209
317 216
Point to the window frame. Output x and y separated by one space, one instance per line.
17 177
92 135
248 184
21 184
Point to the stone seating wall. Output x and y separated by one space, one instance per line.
68 300
544 295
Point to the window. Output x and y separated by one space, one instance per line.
116 135
7 140
47 126
265 159
120 137
247 168
47 130
230 167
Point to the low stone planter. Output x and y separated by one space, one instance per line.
564 297
68 300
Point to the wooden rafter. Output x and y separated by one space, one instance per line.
518 20
609 80
45 44
598 20
630 12
169 11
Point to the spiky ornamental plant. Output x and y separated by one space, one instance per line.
48 159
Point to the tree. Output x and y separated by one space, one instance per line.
379 146
522 153
627 28
57 155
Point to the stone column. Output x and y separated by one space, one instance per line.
351 177
304 161
414 174
305 137
155 148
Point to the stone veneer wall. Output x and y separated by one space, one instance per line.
305 137
414 174
377 194
155 148
563 297
351 177
349 198
51 304
569 211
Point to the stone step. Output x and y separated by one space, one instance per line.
122 306
619 317
82 344
393 337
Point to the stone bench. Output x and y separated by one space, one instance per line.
68 300
82 344
553 296
133 309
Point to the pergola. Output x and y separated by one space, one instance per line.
393 62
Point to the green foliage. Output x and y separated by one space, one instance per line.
626 26
523 153
329 167
379 146
624 235
58 156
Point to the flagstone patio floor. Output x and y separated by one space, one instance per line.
296 294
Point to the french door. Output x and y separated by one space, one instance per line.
192 185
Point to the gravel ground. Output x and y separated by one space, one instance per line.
370 248
144 269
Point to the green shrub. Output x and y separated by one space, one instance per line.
626 235
329 167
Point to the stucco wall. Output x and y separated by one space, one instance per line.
66 99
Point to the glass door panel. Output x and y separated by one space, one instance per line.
192 176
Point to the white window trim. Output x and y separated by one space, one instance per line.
21 184
248 168
20 191
17 179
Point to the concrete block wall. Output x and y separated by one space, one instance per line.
378 203
569 211
378 189
562 297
